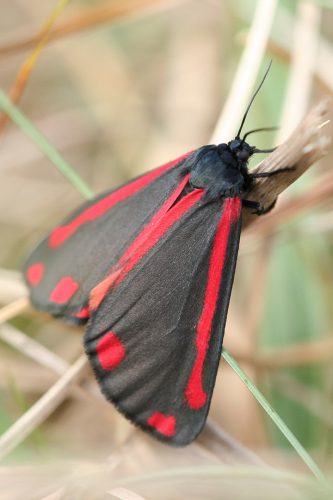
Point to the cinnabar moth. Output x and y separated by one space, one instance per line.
150 267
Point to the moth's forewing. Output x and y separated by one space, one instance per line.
77 254
155 340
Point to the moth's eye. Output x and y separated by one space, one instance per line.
243 155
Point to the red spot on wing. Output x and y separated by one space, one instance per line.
35 273
98 209
164 424
194 393
64 290
82 313
162 221
110 351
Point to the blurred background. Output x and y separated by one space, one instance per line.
120 87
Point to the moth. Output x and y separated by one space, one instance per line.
149 267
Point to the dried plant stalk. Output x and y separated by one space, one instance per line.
13 309
300 354
240 92
304 53
28 65
11 286
32 349
42 409
305 145
88 18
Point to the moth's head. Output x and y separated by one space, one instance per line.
241 149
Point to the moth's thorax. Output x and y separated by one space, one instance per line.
221 170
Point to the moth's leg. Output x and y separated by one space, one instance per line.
270 174
257 207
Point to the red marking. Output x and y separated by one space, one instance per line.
194 393
60 234
35 273
98 293
82 313
164 424
64 290
166 217
110 351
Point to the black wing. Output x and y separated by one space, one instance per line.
155 339
78 254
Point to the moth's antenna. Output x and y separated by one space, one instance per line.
262 129
253 97
255 150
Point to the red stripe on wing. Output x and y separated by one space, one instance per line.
60 234
162 221
194 393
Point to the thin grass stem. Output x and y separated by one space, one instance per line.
31 131
303 454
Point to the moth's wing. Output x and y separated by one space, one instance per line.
75 256
155 339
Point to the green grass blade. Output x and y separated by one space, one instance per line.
274 416
31 131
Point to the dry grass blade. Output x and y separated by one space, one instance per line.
56 495
303 59
44 357
318 351
245 78
25 71
280 44
301 354
323 61
124 494
219 442
304 146
89 18
32 349
13 309
11 286
321 192
42 409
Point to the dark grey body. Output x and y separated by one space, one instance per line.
219 172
